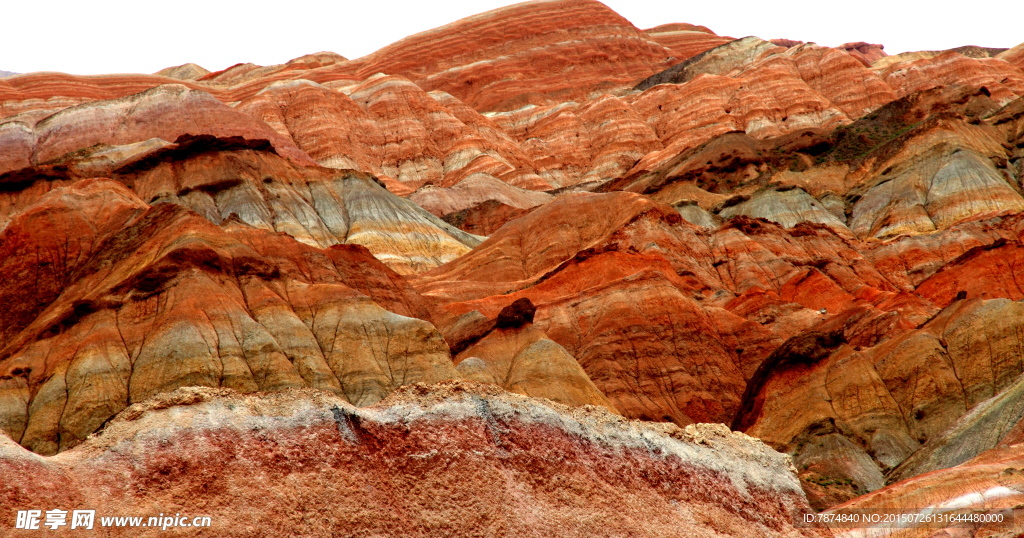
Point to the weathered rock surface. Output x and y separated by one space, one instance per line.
718 61
857 414
637 295
189 71
563 49
110 301
686 40
867 53
1014 56
992 483
525 361
224 177
787 208
449 460
484 218
817 245
1004 80
165 113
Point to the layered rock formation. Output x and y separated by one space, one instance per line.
562 50
990 485
867 53
110 301
517 356
458 459
686 40
817 246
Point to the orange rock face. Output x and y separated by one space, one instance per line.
554 43
116 301
686 40
164 113
990 484
867 53
635 299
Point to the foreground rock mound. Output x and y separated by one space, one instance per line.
455 459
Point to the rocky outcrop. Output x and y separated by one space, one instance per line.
867 53
224 178
1014 56
316 206
454 459
717 61
991 484
686 40
111 301
189 71
563 50
634 294
787 208
435 139
389 126
526 361
325 124
484 218
1002 79
572 144
898 408
164 113
918 164
940 186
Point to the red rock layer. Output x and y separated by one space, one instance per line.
848 295
1003 80
780 92
390 127
991 484
934 142
1014 56
801 87
55 91
165 113
438 139
485 218
425 142
924 398
867 53
561 50
531 52
451 460
633 293
327 125
572 144
686 40
110 301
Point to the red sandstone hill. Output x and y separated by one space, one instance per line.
815 246
454 459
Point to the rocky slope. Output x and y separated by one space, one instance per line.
454 459
816 246
991 484
121 300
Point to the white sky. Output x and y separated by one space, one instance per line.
144 36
